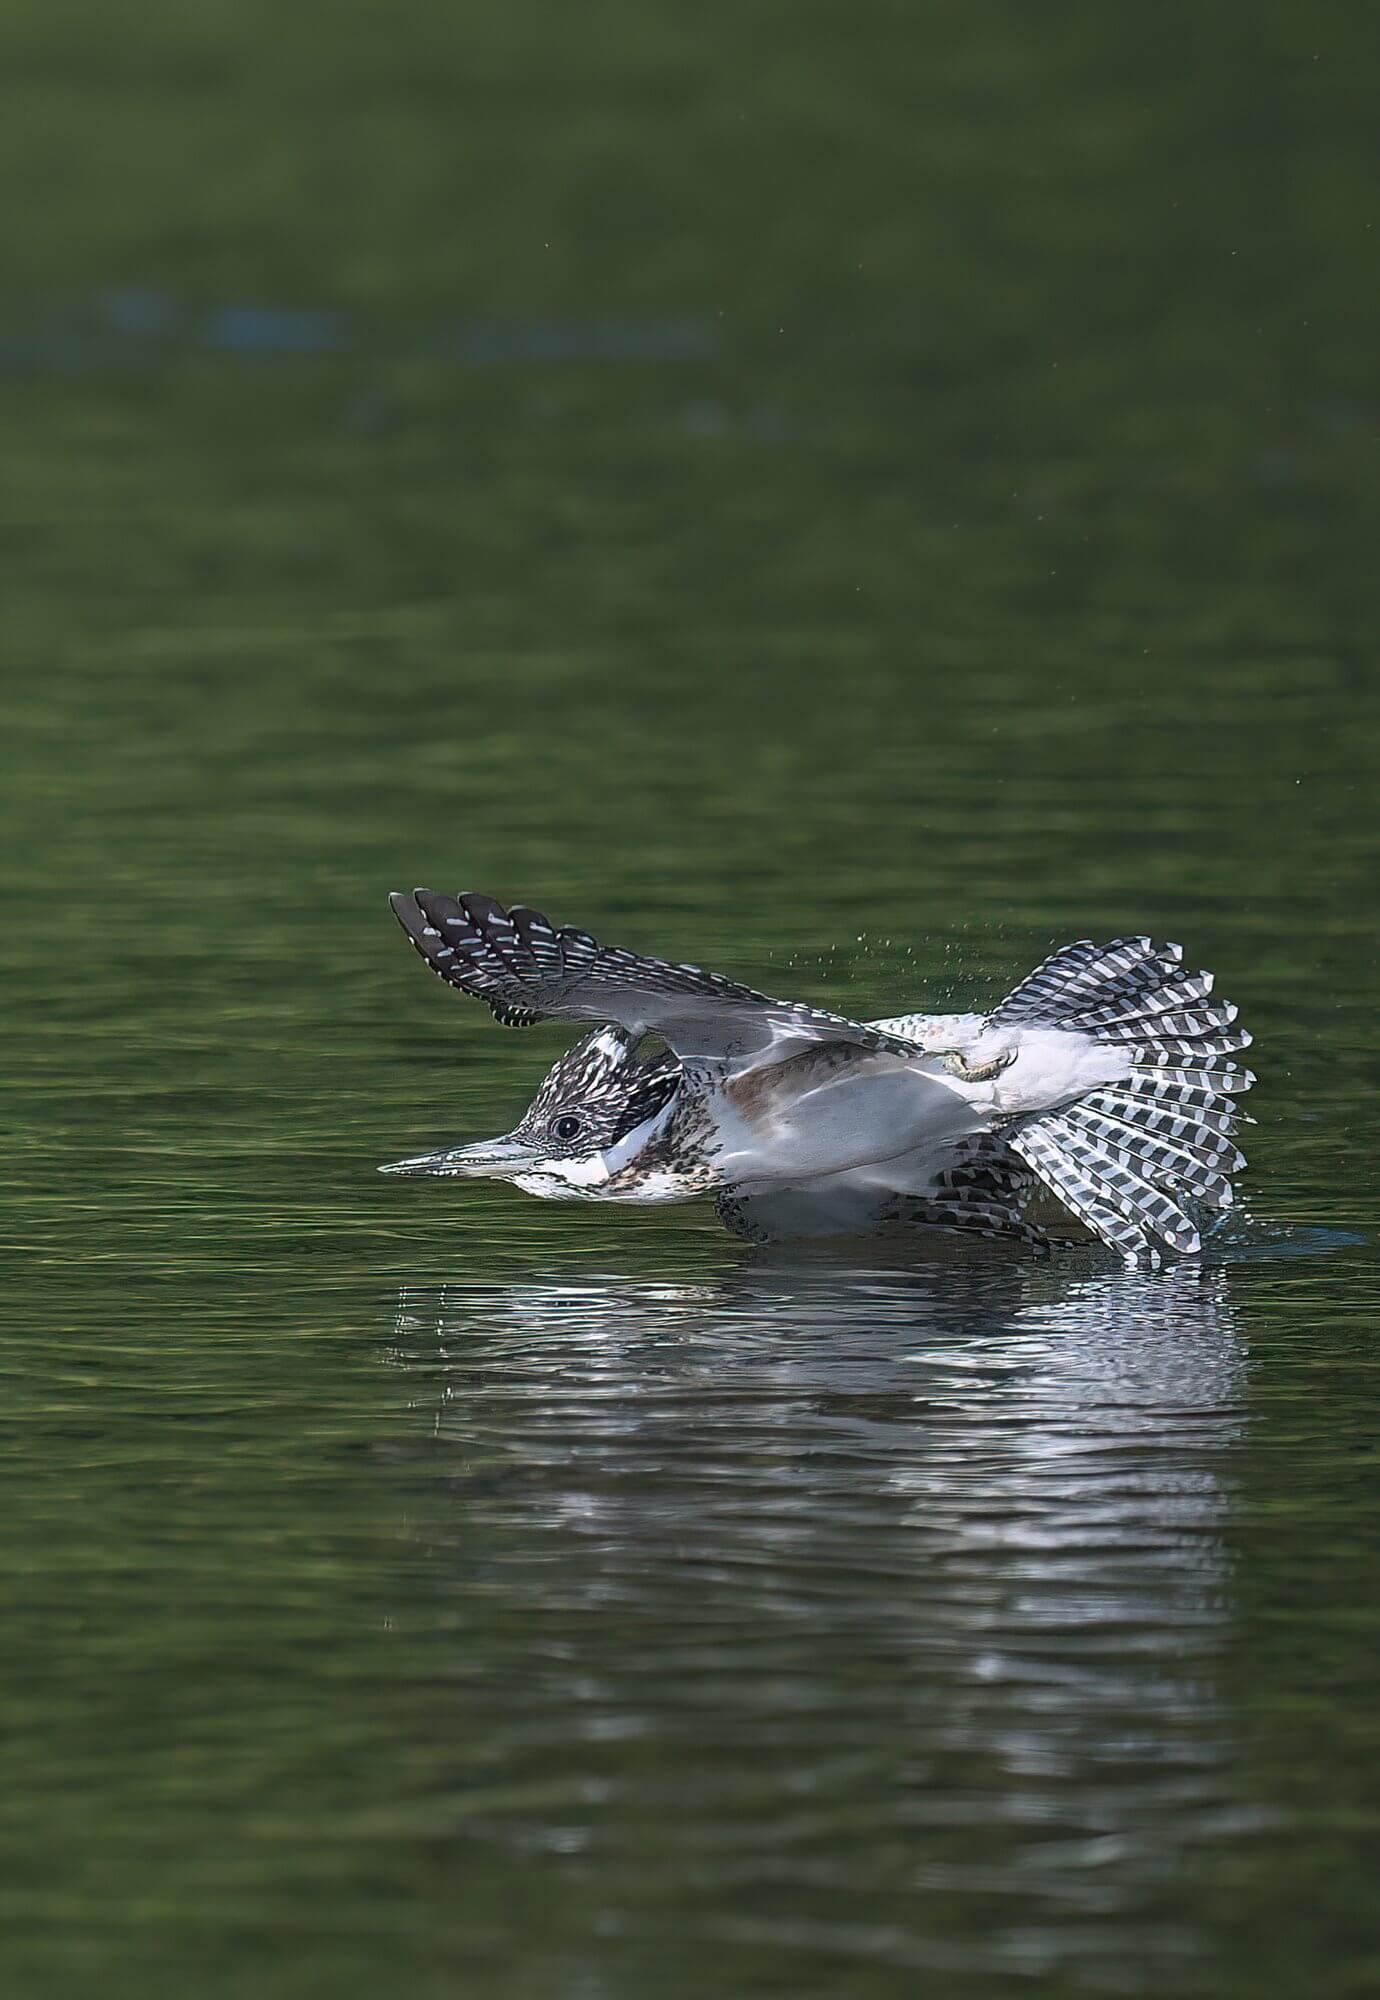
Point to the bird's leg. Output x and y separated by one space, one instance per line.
956 1063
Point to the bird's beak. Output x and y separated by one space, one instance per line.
496 1159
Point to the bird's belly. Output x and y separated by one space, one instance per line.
777 1132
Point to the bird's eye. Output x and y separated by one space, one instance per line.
567 1127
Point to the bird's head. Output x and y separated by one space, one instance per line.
597 1111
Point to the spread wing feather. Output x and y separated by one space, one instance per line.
1147 1159
527 969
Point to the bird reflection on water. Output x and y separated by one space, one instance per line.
872 1610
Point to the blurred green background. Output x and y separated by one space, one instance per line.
849 495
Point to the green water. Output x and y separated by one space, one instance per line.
852 496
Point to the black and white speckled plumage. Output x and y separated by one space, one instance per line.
602 1082
525 969
1104 1079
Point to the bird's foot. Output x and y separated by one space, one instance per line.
958 1066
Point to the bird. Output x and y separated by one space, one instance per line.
1106 1079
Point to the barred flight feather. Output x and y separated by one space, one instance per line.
1222 1078
1089 972
1120 1182
1205 1105
1149 1003
525 969
1209 1141
1171 1052
1196 1025
993 1219
1085 1195
1169 1167
1130 1155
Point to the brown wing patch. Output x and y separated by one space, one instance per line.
759 1093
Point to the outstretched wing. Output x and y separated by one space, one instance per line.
526 969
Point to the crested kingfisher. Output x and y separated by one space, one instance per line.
1106 1079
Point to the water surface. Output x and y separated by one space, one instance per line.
416 1586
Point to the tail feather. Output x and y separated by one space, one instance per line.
1140 1160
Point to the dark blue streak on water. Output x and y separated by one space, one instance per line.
129 328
